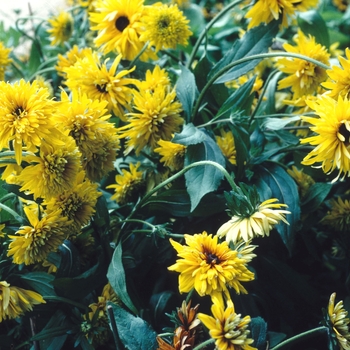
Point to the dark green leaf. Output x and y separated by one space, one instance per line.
116 277
258 329
133 331
275 338
159 302
101 217
52 332
315 196
41 282
202 70
195 14
70 261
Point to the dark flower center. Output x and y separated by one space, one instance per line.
163 23
121 23
101 88
344 132
19 112
211 258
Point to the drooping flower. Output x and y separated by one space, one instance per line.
94 79
339 215
209 267
32 244
303 77
173 154
165 27
128 184
156 117
304 181
332 139
5 60
61 28
15 301
25 116
226 143
228 328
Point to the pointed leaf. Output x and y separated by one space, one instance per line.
279 123
315 196
190 135
41 282
258 329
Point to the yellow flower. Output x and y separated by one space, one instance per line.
228 328
93 78
303 77
158 77
61 28
339 322
33 243
4 59
339 215
157 117
53 171
340 84
2 233
165 27
209 267
127 184
119 27
341 5
332 129
258 223
15 301
304 181
226 143
25 116
173 154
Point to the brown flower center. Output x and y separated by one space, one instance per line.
121 23
101 88
211 258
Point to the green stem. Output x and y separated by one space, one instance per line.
165 335
133 62
189 295
139 221
247 59
44 70
207 28
175 235
300 336
12 212
6 197
204 344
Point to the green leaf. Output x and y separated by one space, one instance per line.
279 123
70 261
258 328
195 14
190 135
275 338
41 282
255 41
311 22
315 196
186 91
116 277
133 331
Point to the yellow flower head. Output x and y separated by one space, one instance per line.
119 27
226 143
33 243
340 84
173 154
209 267
339 215
304 181
25 116
53 171
4 59
228 328
93 78
15 301
158 77
339 322
157 117
61 28
165 27
341 5
127 184
257 223
332 139
303 77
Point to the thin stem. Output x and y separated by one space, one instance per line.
44 70
247 59
114 327
6 197
204 344
12 212
133 62
139 221
300 336
165 335
207 28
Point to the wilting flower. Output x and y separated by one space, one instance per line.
61 28
173 154
339 215
4 59
332 139
304 181
128 184
228 328
165 27
209 267
226 143
303 77
33 243
157 117
15 301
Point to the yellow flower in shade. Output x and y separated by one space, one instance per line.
303 77
94 79
32 244
61 28
70 58
165 27
226 143
4 59
259 222
339 215
341 5
119 27
209 267
53 171
173 154
157 117
15 301
25 116
228 328
2 233
158 77
128 185
304 181
332 139
340 84
77 204
339 322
